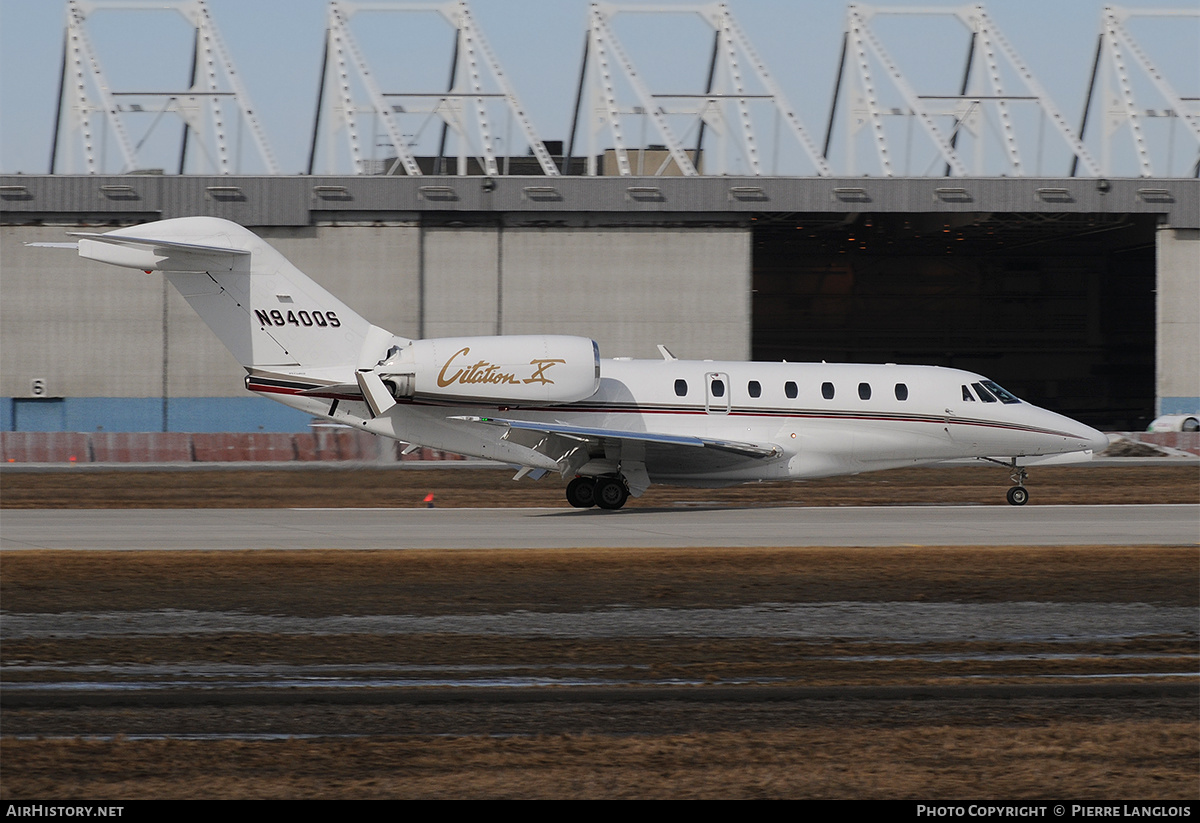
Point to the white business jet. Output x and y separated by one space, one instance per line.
549 403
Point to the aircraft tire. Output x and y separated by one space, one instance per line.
581 492
610 493
1018 495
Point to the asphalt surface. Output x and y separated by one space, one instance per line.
692 526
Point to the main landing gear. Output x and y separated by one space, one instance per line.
606 492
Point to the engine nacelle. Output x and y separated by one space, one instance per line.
518 370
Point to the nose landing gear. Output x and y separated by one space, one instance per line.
606 492
1018 495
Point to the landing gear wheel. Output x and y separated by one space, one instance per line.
581 492
610 493
1018 495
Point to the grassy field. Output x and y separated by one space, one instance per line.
748 716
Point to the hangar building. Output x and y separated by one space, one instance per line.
1082 295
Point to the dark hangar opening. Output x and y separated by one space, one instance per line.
1058 308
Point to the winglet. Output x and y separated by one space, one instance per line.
666 353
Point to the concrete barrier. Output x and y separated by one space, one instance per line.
225 447
320 445
45 447
141 447
1183 441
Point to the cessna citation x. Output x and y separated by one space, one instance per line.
549 403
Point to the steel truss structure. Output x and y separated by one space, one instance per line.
985 116
1117 51
209 106
985 100
739 87
467 108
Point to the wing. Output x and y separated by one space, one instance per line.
571 446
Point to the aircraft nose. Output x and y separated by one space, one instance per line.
1097 440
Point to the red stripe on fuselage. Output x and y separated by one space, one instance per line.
646 410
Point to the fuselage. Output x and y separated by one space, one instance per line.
823 419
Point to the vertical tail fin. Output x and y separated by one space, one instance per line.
266 311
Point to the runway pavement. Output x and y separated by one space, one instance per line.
182 529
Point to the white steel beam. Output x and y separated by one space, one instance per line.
858 17
1119 36
777 96
467 24
92 91
1128 105
992 52
603 89
216 54
463 109
599 16
1035 88
339 21
87 66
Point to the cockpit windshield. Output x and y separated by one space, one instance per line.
1001 394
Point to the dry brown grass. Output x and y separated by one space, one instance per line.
369 487
1130 759
316 582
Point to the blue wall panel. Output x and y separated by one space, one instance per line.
137 414
112 414
233 414
1179 405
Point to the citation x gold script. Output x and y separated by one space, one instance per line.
548 403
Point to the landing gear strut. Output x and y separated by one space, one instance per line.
1018 495
605 492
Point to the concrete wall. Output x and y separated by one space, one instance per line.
627 288
632 288
113 342
1178 335
82 328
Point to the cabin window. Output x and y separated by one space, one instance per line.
901 391
681 388
718 388
827 391
864 391
789 388
967 395
984 395
754 389
1004 396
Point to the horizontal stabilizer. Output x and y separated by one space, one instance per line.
126 240
151 254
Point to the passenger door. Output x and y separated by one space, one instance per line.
717 398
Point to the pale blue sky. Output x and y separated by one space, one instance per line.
277 46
